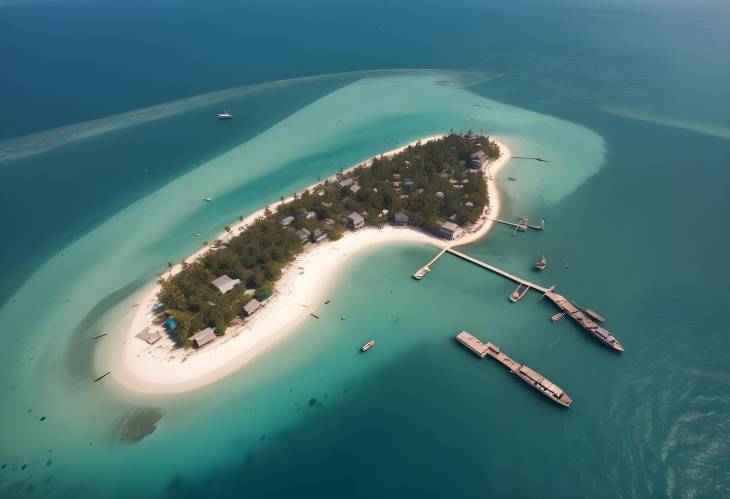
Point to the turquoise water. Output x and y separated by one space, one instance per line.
632 205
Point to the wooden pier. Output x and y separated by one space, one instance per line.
579 316
529 376
421 273
522 223
499 271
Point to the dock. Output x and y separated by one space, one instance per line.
521 225
564 305
529 376
499 271
421 273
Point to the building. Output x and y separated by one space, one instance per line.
203 337
286 221
251 307
354 188
400 219
303 235
355 221
150 337
446 170
440 195
469 204
225 283
346 183
319 235
310 215
449 230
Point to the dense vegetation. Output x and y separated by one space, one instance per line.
430 183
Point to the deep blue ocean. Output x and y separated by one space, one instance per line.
105 120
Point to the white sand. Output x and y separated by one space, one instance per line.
163 369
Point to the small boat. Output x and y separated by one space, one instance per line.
518 293
225 115
557 316
595 315
206 198
367 346
522 224
197 234
541 263
421 273
511 178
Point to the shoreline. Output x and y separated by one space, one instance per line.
160 369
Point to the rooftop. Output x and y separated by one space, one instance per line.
225 283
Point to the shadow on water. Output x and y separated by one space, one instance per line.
80 351
136 424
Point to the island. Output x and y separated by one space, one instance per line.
243 291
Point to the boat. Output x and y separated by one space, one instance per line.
541 263
421 273
197 234
511 178
522 224
225 115
543 385
529 376
585 321
595 315
206 198
557 316
518 293
367 346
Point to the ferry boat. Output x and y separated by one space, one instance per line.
421 273
543 385
541 263
518 293
367 346
225 115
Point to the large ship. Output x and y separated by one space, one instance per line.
529 376
518 293
591 326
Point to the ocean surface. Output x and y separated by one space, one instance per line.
108 142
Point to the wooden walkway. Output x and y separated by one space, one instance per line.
499 271
517 224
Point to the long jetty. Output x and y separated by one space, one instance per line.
529 376
499 271
579 316
519 224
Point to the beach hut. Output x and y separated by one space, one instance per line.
400 219
286 221
203 337
354 188
346 183
449 230
303 235
251 307
355 221
225 283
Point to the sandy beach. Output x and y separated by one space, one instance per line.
163 369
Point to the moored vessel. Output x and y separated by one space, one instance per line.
367 346
557 316
421 273
541 263
518 293
225 115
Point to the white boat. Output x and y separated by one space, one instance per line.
206 198
225 115
541 263
367 346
